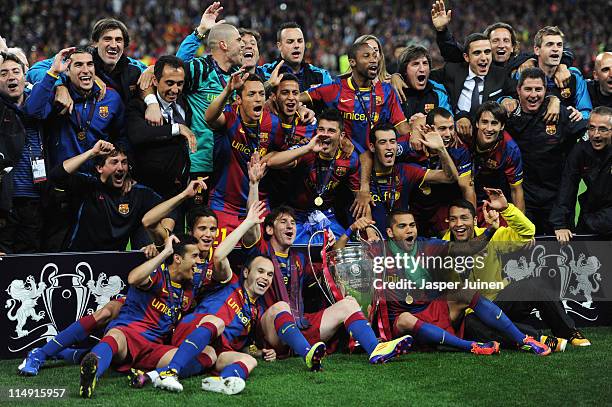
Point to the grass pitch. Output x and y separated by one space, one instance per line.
580 376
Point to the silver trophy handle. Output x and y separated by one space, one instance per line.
314 272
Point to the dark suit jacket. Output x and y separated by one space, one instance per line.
161 160
452 75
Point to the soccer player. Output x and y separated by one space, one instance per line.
518 232
321 167
600 88
394 185
361 102
496 157
231 314
591 162
431 316
246 128
544 147
291 44
293 275
158 294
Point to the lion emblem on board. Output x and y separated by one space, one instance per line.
27 294
583 269
105 288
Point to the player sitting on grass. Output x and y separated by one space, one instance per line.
157 295
226 320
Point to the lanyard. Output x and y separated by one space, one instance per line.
83 129
368 112
253 311
173 308
219 73
321 187
289 139
248 133
392 186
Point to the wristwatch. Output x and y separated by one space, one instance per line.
199 36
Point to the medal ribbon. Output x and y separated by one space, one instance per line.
393 189
85 129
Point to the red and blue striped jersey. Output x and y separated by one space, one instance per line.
232 305
231 191
152 310
311 172
357 108
297 134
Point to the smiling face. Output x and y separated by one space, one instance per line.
282 231
286 97
600 131
291 46
366 62
603 72
170 85
417 73
403 230
205 230
479 57
114 170
531 94
251 101
81 71
461 223
385 148
329 133
549 54
186 263
258 277
501 45
445 128
12 80
250 52
110 47
488 129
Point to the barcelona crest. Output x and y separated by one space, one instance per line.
551 129
263 137
341 171
124 208
103 112
566 92
429 107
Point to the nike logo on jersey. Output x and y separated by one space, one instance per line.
345 100
500 314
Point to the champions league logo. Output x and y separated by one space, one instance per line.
579 278
39 310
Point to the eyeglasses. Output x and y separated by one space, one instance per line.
600 130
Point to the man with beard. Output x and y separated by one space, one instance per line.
600 88
107 215
422 94
590 161
544 147
291 45
246 128
90 120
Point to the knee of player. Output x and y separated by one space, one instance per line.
350 305
210 352
279 307
406 322
249 361
216 321
103 315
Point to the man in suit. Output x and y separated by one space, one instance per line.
461 79
161 159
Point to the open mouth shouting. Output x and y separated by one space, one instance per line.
421 80
372 70
257 110
86 81
262 285
290 107
296 55
533 103
483 67
389 158
598 142
555 58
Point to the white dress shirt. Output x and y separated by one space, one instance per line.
465 99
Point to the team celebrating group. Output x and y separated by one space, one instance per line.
99 150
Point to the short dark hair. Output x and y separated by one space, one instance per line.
100 160
248 31
107 24
397 212
198 212
276 212
9 56
380 126
497 110
497 26
603 111
473 37
286 77
332 115
284 26
83 50
354 49
532 73
253 77
437 111
462 203
548 30
410 54
169 60
185 240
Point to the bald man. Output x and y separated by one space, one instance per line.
600 88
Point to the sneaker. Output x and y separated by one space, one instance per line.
168 380
488 348
89 368
138 379
555 344
578 339
32 363
314 356
531 345
229 385
386 351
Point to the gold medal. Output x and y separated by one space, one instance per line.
409 300
81 135
318 201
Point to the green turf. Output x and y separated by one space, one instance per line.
580 376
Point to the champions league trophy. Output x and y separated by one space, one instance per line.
66 297
349 271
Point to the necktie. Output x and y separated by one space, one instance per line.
176 116
475 95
